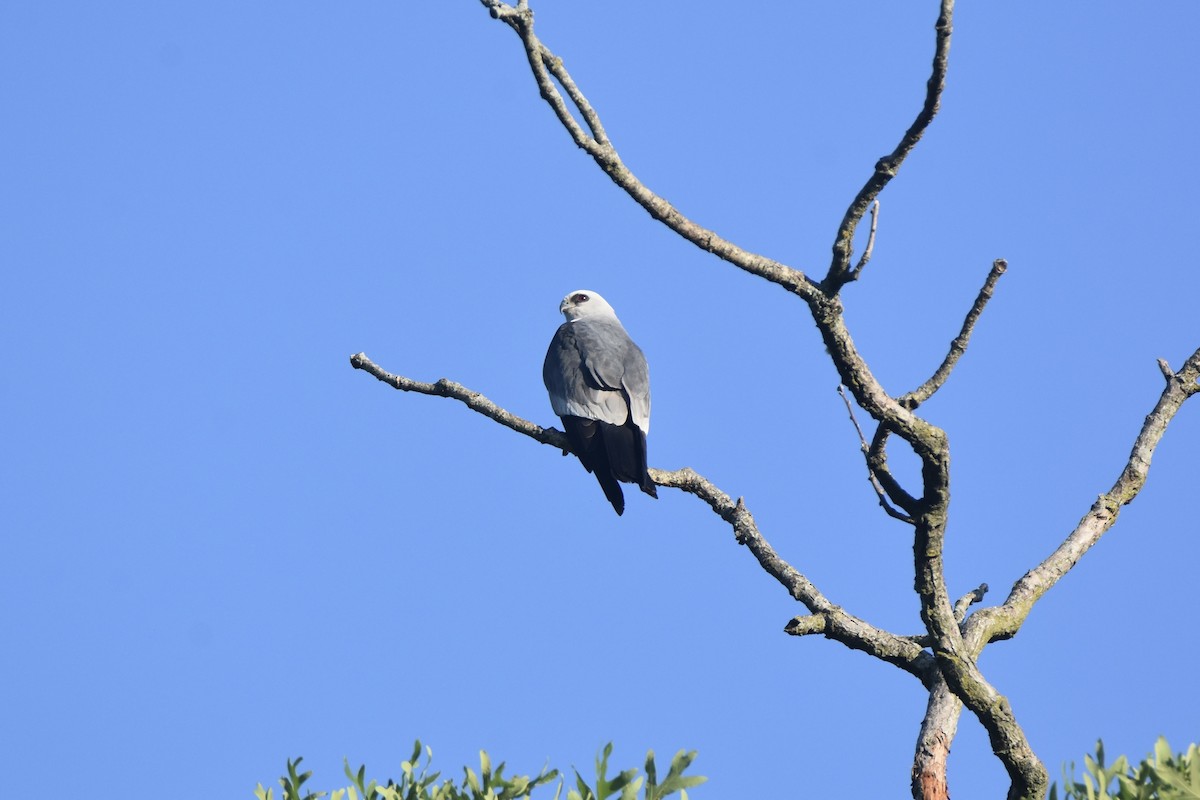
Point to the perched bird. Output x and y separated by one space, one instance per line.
599 386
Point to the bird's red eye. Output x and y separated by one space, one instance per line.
579 298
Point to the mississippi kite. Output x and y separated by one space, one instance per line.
600 387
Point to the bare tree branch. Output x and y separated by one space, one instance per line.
1165 369
960 612
940 723
904 652
876 453
956 663
473 400
959 345
827 311
839 270
839 625
548 68
962 675
938 729
1002 622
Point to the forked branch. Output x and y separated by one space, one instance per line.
886 168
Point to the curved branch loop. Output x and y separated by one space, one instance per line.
878 472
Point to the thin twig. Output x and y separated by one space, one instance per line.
883 501
473 400
870 248
877 463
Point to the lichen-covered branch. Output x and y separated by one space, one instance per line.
886 168
1026 773
955 661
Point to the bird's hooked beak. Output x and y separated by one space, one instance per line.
569 309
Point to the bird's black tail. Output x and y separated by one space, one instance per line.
612 490
625 446
589 442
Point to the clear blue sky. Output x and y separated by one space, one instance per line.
223 547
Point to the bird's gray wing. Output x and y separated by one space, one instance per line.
614 362
581 376
637 387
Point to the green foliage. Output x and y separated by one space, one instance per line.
1160 776
417 783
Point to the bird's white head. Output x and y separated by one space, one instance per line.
585 304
